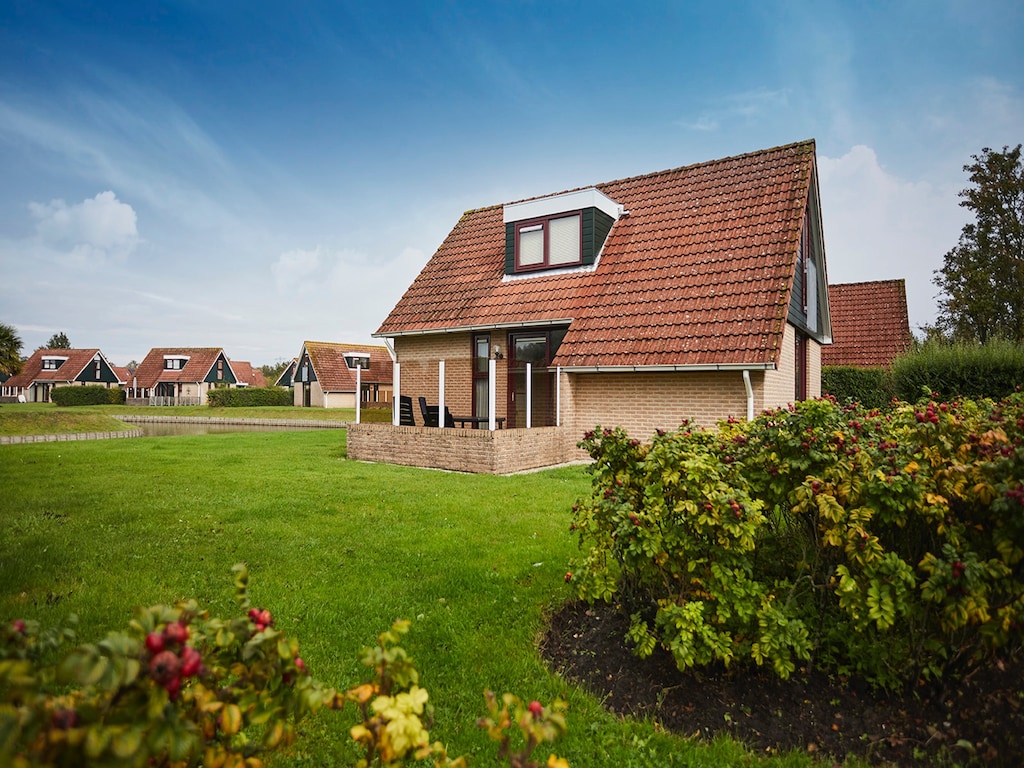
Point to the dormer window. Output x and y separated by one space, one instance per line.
549 242
53 362
557 232
174 362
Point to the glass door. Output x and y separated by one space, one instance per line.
537 348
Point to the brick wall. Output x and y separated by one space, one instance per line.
642 403
462 450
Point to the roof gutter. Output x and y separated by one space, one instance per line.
473 328
669 368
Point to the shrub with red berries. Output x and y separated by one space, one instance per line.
898 533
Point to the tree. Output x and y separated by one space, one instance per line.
58 341
272 372
983 276
10 350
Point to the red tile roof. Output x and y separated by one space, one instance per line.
32 371
870 325
698 273
151 370
247 375
333 373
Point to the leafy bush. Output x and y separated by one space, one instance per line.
887 544
994 369
871 387
91 394
248 397
183 689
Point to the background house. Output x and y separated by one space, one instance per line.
49 368
693 293
325 375
180 376
246 375
870 324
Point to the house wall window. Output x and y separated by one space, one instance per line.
800 367
53 363
481 367
548 242
174 363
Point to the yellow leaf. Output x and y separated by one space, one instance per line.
231 719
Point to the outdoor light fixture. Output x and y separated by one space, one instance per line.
497 352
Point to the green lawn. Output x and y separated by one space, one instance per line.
337 550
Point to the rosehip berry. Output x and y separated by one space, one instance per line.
254 614
536 709
165 667
191 661
300 664
173 688
568 577
18 625
176 633
154 642
64 719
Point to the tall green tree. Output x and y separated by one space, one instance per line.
58 341
982 278
10 350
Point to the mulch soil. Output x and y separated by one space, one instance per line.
978 721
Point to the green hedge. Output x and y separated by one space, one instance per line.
88 395
249 397
995 370
871 387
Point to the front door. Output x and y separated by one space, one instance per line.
536 348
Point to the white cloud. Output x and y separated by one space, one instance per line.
90 231
881 227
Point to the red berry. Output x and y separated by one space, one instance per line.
18 625
176 633
536 709
165 667
64 719
300 664
154 642
173 687
191 661
254 614
568 577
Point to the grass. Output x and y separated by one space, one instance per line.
337 550
49 419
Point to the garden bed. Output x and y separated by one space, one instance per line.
980 721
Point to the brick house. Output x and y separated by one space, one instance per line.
870 324
180 375
325 375
693 293
50 368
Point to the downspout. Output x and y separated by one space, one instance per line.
750 394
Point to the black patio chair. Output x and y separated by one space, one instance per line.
405 417
429 413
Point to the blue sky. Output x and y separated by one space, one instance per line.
249 175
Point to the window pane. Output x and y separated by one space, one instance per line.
564 247
531 247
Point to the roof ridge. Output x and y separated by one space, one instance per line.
626 179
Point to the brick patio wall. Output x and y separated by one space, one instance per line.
500 452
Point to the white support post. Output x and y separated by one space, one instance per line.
440 394
492 392
396 393
529 395
558 396
359 390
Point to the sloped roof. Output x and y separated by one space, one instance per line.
870 323
32 371
333 373
246 374
699 272
151 370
